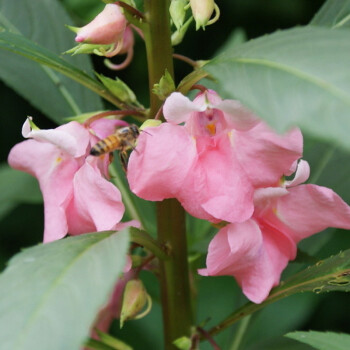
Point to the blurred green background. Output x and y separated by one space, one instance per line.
21 215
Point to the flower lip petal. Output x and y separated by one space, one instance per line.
178 108
301 175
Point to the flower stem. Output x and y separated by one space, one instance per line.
174 272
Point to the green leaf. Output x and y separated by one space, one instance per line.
322 340
51 293
22 46
333 14
332 274
43 22
16 187
293 77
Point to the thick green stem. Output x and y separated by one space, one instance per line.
158 46
174 271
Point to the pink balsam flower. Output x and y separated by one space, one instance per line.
213 162
78 198
256 251
106 28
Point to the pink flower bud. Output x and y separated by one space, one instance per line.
106 28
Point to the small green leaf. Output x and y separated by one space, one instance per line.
118 88
165 86
183 343
50 294
322 340
333 14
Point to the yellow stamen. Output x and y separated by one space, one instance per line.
211 128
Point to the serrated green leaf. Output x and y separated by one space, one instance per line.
51 293
54 94
322 340
333 14
292 77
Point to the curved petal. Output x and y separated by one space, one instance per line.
237 116
96 205
54 171
178 108
265 155
72 138
161 162
217 188
301 175
253 256
309 209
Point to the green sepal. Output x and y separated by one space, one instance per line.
81 118
178 12
84 48
150 123
73 29
165 86
32 124
177 37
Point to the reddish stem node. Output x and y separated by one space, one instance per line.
131 10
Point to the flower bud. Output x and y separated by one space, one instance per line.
106 28
135 298
202 11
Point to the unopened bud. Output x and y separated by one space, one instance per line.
135 298
106 28
202 10
178 12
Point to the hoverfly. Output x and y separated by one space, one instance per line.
123 140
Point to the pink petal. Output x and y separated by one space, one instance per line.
178 108
301 175
253 256
54 171
309 209
96 205
161 162
105 127
265 155
217 188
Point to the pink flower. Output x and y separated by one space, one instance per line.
77 196
212 163
106 28
256 251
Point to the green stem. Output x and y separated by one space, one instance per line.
174 272
242 328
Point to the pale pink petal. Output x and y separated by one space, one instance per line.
96 205
161 162
265 155
301 175
217 187
263 195
309 209
237 116
178 108
72 138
